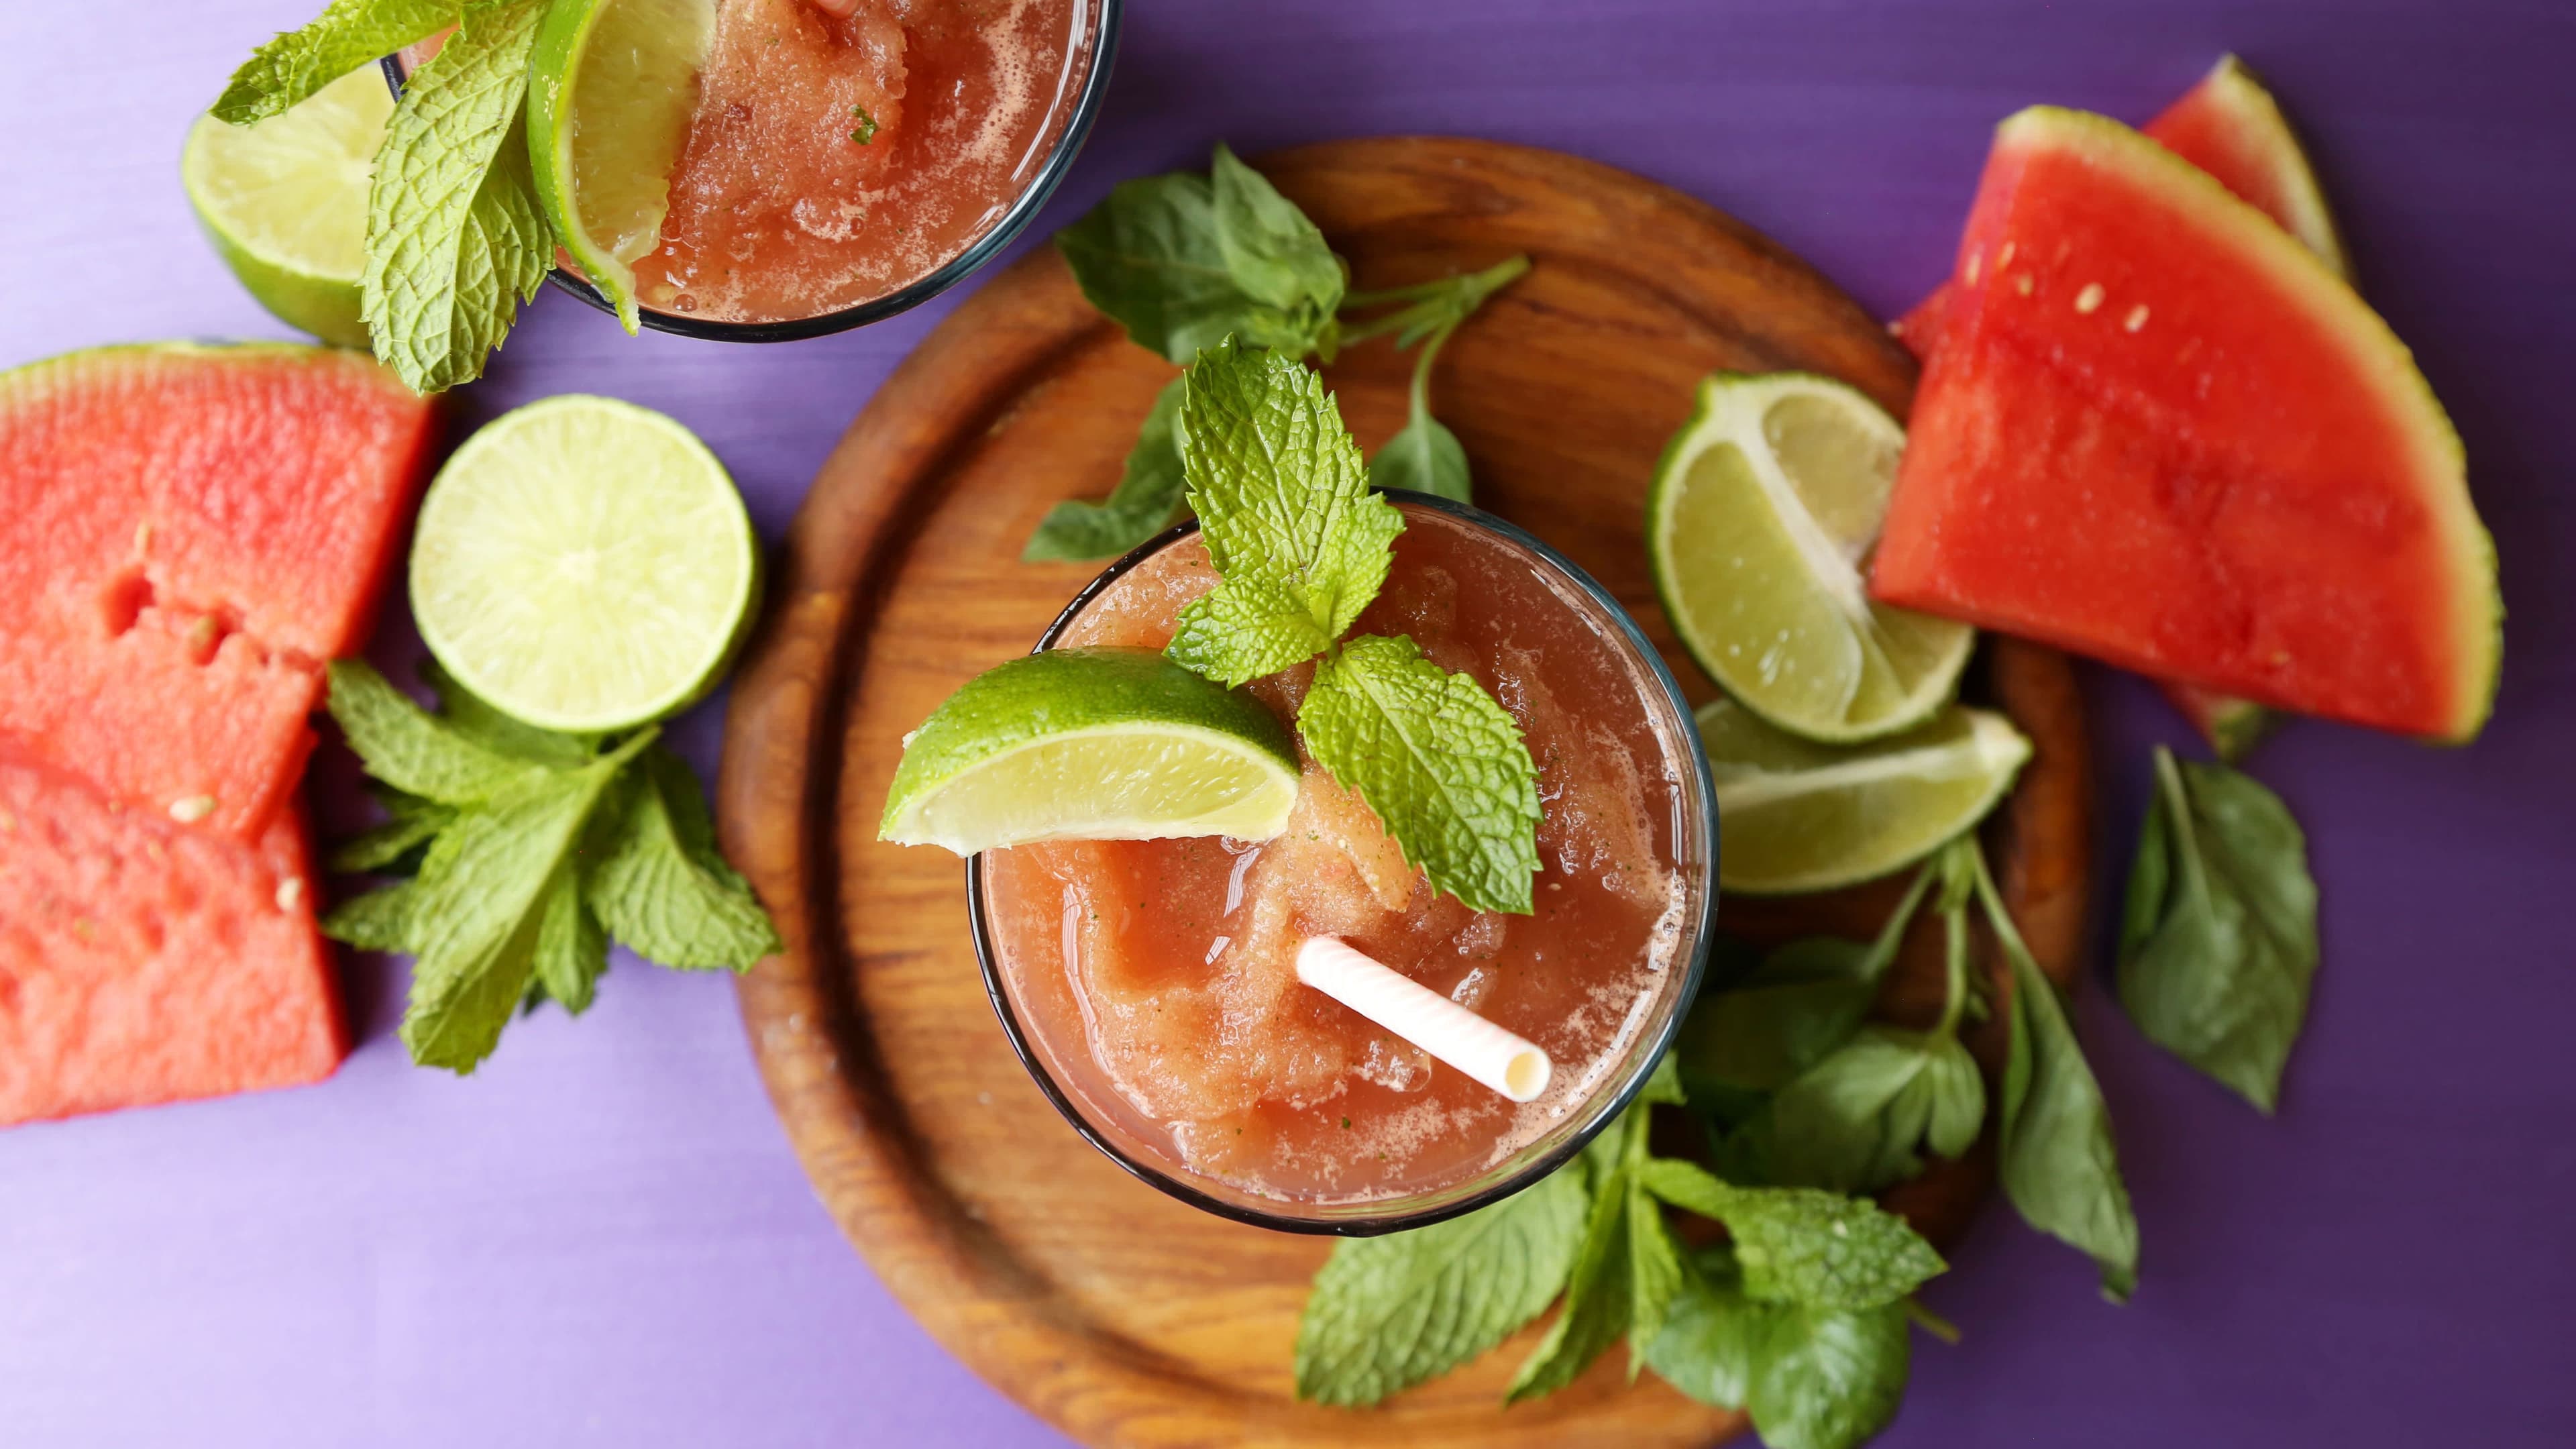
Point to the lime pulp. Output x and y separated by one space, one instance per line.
285 202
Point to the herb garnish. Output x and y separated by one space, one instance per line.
2218 942
1184 261
1801 1318
527 850
1301 545
867 128
455 237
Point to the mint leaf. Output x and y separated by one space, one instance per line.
1802 1245
661 887
478 906
1300 543
1425 457
1654 1272
1273 253
1827 1378
454 235
1599 1301
1388 1313
1147 498
2058 1163
347 35
411 824
380 920
1440 762
1711 1337
1149 257
572 951
413 750
2218 945
469 716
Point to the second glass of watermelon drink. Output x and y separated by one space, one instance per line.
850 159
1150 986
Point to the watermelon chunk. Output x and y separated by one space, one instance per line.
2229 126
2160 432
145 961
186 532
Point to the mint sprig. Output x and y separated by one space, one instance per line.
1184 261
349 34
455 237
1301 545
533 848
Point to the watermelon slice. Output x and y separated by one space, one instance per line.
186 532
144 961
2160 432
2229 126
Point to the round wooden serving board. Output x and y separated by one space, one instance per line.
1110 1310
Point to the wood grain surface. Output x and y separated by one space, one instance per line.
1113 1312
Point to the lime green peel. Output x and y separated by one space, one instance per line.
611 87
285 201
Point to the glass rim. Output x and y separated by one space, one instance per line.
1605 1106
1022 211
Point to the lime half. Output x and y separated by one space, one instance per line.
1763 511
1794 815
611 87
285 201
583 564
1091 744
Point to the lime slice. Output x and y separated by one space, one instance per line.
611 87
583 564
1763 510
1091 744
1794 815
285 201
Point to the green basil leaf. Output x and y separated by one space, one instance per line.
1425 457
2218 945
2058 1162
1273 253
1150 259
1145 502
1710 1339
1851 1122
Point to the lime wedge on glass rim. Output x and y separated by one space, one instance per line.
1762 514
285 201
1091 744
611 87
584 564
1796 816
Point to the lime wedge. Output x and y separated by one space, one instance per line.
1763 511
583 564
611 87
1793 815
1091 744
285 201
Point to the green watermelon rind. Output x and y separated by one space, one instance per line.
2257 113
2440 469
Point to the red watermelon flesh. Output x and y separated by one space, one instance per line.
2229 126
144 961
185 533
2159 432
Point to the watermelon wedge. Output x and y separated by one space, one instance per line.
2229 126
2159 431
144 961
186 533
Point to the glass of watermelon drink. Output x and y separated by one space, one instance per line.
850 159
1150 986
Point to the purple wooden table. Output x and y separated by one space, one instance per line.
602 1237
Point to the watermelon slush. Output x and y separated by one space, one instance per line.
1154 981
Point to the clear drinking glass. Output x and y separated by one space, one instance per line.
1064 1069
